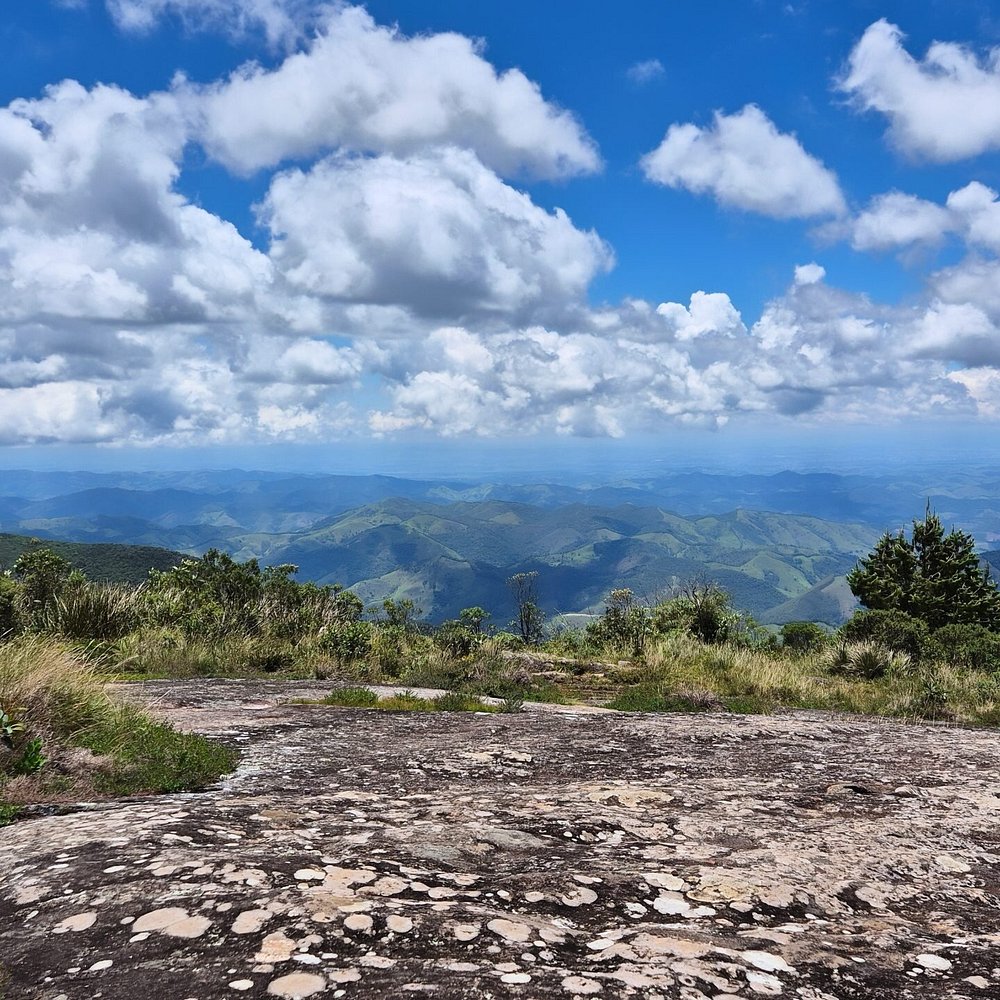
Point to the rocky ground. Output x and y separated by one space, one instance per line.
555 853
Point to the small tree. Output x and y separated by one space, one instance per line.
530 618
474 618
624 625
803 637
400 614
43 575
931 576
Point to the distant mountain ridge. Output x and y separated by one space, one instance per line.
104 562
445 557
780 543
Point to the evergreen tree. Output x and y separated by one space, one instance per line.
931 575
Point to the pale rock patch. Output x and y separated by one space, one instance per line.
78 922
510 930
297 986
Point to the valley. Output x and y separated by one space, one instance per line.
779 544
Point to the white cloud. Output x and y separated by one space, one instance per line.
438 233
66 412
644 72
711 312
976 210
282 21
406 286
983 387
744 162
364 87
897 220
816 354
943 107
809 274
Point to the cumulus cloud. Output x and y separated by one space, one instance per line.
707 313
365 87
91 227
809 274
943 107
744 162
401 284
897 220
437 232
816 353
282 21
644 72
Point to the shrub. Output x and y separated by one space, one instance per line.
10 619
624 625
868 660
970 646
457 638
804 637
347 640
42 575
931 701
705 612
893 630
92 611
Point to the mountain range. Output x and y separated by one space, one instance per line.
780 544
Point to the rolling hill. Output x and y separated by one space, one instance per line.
106 563
445 557
779 543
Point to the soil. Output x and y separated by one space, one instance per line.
560 852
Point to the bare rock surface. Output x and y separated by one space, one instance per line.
554 853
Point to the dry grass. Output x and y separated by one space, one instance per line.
66 738
759 681
48 688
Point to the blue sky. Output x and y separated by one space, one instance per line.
285 227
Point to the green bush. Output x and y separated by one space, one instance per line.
868 660
42 575
705 611
804 637
347 640
457 638
93 611
624 626
972 647
10 619
894 630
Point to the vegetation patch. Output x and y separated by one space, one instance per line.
926 645
62 737
654 698
406 701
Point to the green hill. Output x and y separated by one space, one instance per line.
448 556
830 602
105 562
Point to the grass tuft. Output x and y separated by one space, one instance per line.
66 738
406 701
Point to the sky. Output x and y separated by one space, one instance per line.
285 231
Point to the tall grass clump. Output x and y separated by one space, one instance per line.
92 611
61 734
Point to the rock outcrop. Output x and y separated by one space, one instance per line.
555 853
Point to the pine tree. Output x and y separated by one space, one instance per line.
931 575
